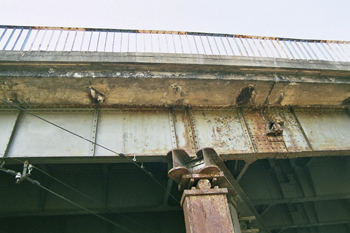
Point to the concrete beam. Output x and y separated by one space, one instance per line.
166 89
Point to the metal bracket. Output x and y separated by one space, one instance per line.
187 171
275 128
27 169
246 165
179 158
184 164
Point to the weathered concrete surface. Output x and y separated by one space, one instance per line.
172 91
64 78
305 94
126 91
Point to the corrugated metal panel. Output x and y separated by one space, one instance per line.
15 38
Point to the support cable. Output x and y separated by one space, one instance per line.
97 144
37 183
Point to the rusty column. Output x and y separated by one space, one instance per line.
205 205
206 209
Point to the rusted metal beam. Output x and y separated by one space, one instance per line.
105 185
282 229
233 182
246 165
235 220
168 188
43 194
94 131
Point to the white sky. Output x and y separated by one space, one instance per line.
307 19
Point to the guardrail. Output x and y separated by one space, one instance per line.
17 38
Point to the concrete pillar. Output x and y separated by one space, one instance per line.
206 209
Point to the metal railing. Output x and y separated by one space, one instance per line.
17 38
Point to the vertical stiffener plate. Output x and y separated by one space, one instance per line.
184 133
94 132
7 123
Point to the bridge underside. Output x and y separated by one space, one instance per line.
298 195
281 128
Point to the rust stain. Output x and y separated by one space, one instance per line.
182 33
202 216
293 136
187 135
175 95
161 32
257 127
220 130
59 28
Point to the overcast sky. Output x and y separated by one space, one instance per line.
307 19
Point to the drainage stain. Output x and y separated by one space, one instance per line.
245 96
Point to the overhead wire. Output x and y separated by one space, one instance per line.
37 183
79 136
97 144
81 193
81 207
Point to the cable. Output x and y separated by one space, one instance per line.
11 172
37 183
63 183
97 144
83 194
